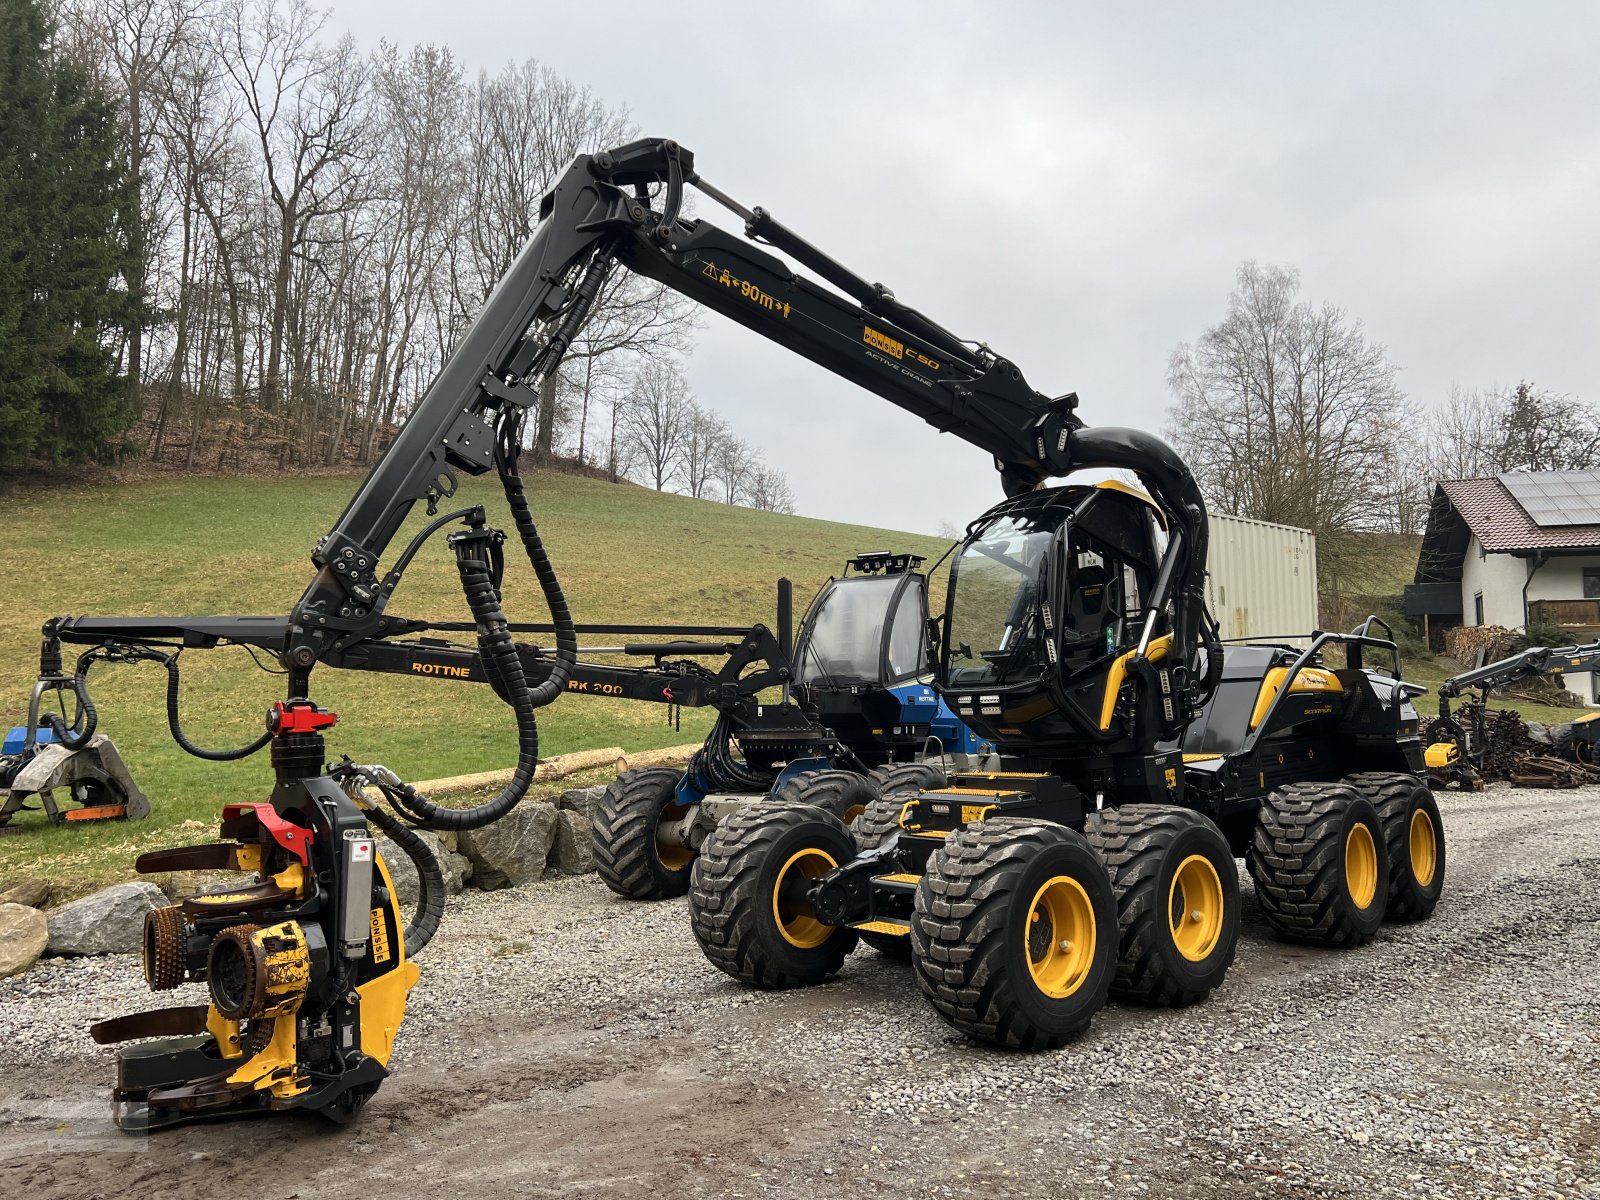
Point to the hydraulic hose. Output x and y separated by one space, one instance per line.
429 910
560 614
714 762
499 653
170 661
77 735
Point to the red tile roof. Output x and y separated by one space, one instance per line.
1501 524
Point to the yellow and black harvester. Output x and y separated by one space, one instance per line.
1137 754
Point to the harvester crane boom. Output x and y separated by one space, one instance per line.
1533 663
602 213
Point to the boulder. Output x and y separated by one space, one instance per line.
573 852
108 922
513 850
455 868
31 893
581 800
24 933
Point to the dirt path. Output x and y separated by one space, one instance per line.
566 1044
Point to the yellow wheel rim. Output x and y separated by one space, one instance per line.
851 813
1061 937
1360 865
1424 848
1195 908
673 857
791 905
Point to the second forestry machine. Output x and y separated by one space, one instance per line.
1139 754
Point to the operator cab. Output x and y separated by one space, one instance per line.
863 663
1046 605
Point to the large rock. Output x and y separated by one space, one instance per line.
573 853
32 893
514 849
455 868
24 933
108 922
581 800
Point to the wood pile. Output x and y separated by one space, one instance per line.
1521 756
1464 643
1543 771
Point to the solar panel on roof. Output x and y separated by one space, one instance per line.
1556 498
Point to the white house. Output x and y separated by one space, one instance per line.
1515 549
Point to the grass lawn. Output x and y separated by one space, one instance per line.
188 546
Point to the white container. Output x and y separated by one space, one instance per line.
1261 579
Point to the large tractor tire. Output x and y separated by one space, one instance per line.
842 793
1576 743
877 821
748 903
897 778
1177 894
1014 937
1414 832
629 853
1318 858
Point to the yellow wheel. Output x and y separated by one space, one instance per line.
843 793
1195 908
1360 865
1061 936
1177 901
1423 848
750 898
1014 934
1315 861
674 854
1415 835
632 853
791 905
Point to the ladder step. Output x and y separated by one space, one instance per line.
893 928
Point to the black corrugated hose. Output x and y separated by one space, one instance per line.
76 736
429 911
501 660
170 661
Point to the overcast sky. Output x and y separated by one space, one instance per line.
1076 186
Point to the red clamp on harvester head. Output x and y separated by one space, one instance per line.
298 716
294 838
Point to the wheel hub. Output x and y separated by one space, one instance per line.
1195 908
791 898
1424 848
1061 937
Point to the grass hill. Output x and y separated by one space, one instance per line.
204 546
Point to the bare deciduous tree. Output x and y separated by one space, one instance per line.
703 433
657 416
1286 412
306 105
734 461
769 490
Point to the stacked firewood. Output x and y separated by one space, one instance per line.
1543 771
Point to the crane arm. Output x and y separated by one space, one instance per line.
1533 663
625 206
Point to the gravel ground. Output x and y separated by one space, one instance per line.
563 1042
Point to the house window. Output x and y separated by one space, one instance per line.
1477 608
1591 583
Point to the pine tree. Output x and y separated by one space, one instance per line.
62 303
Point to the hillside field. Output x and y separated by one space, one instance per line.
206 546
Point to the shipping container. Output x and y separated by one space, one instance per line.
1261 580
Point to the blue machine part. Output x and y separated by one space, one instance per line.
800 766
17 736
921 705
